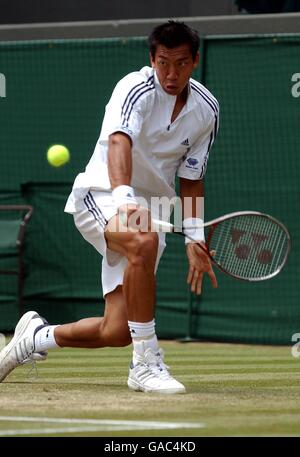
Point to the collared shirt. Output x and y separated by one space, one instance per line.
161 149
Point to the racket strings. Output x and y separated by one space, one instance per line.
250 246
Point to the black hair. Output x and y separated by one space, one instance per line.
172 34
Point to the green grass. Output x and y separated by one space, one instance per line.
235 390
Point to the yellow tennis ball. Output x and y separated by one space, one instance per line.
58 155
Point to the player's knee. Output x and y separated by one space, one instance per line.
123 339
118 336
143 249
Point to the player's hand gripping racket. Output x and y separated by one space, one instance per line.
247 245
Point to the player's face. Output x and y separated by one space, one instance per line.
174 67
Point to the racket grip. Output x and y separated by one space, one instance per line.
193 229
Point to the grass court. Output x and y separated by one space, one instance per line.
232 390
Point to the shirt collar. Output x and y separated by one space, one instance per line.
161 91
190 99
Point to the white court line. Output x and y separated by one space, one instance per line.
96 425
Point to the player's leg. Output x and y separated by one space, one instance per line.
140 249
147 371
96 332
33 338
33 335
139 285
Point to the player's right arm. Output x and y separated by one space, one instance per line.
121 126
119 159
120 171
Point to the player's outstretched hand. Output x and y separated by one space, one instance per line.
199 263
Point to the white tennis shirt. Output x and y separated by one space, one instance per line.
161 149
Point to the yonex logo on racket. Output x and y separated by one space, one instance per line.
2 85
254 244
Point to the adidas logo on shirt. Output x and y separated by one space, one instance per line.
185 142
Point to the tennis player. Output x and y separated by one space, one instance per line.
159 122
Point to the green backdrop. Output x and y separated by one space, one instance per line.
56 93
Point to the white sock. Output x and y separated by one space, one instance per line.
44 339
143 337
141 329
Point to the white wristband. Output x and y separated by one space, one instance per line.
191 228
124 195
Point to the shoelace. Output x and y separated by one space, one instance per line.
36 356
157 365
32 373
32 358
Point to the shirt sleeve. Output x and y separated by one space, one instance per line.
194 162
125 110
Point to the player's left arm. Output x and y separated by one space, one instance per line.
192 197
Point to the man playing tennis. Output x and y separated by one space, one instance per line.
158 123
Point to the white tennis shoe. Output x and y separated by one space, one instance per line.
20 350
150 374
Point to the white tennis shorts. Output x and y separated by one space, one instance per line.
97 210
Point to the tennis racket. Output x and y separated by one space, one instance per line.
247 245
